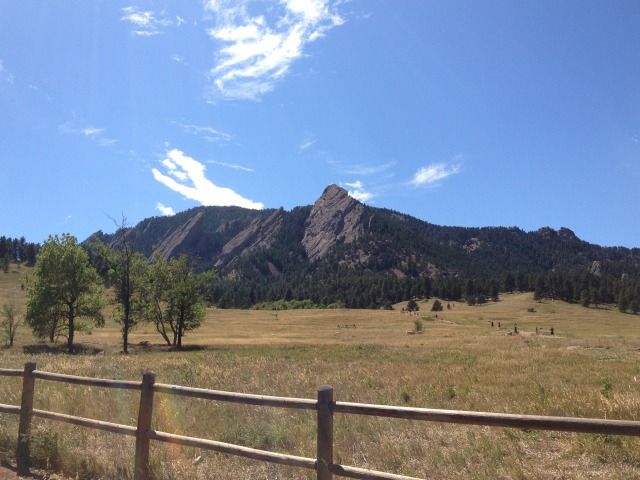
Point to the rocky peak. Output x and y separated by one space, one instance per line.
261 233
335 217
567 234
176 239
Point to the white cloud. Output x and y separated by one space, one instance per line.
233 166
356 190
258 50
306 143
193 184
363 169
91 131
146 23
433 173
209 134
164 210
95 134
178 59
5 75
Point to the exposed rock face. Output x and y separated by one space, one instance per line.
472 245
335 217
261 233
176 238
567 234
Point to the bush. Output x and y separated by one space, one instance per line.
418 326
412 306
437 306
292 305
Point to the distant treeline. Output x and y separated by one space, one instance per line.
17 250
375 290
327 286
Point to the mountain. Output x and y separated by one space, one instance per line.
339 245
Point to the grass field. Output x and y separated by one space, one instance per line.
589 368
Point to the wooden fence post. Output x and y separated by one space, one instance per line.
324 457
145 412
26 413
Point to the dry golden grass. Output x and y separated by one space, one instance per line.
589 368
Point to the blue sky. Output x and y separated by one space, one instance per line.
464 113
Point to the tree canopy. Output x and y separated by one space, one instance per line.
64 291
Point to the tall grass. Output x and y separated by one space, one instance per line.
590 368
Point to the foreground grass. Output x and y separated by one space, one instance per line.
589 368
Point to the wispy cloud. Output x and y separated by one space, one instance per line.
147 23
186 176
363 169
258 50
433 173
233 166
356 190
306 143
207 133
94 134
178 59
5 75
164 210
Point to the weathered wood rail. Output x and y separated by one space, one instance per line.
324 406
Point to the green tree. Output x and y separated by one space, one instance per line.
174 297
125 271
9 323
585 298
65 290
412 306
437 306
509 283
623 301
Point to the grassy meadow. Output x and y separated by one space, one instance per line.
589 368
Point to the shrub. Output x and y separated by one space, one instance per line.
418 326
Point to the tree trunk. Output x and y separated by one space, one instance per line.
161 330
159 321
71 329
126 325
180 328
54 328
125 338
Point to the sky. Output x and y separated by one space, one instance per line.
469 113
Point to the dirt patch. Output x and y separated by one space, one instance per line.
9 473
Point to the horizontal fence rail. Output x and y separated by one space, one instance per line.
233 397
86 422
221 447
324 406
88 381
532 422
9 409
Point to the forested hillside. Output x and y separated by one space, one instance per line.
341 251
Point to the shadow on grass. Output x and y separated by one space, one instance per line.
163 347
60 348
8 471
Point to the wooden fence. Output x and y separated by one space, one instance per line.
324 406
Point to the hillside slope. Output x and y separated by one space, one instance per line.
332 245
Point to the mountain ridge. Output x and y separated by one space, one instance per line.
339 247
